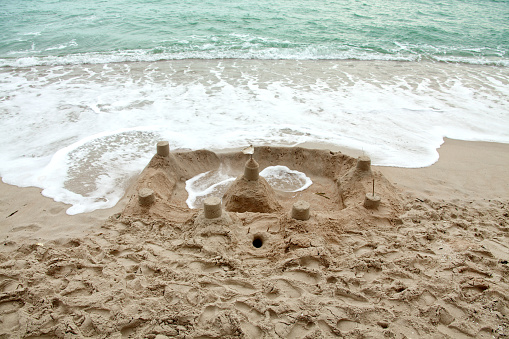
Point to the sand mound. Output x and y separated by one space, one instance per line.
251 193
411 268
251 196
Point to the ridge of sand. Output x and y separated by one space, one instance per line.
432 262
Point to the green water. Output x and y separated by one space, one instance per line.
49 31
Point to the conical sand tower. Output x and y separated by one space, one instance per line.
250 192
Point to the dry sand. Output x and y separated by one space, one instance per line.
431 262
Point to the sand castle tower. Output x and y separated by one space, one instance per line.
371 200
212 213
355 182
250 192
300 210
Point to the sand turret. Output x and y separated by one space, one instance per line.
212 208
372 201
146 197
300 210
163 148
363 164
251 170
212 214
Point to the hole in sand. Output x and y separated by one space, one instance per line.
257 242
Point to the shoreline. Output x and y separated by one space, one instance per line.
80 59
469 170
464 170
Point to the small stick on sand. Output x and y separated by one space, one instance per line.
373 201
322 194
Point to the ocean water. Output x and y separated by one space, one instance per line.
88 88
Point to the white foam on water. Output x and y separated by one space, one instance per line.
282 178
216 183
212 183
243 50
82 132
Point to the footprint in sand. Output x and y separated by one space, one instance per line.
148 269
9 317
252 316
216 288
350 297
208 314
195 250
426 299
251 331
282 288
452 332
364 249
454 312
72 243
174 292
76 288
8 285
303 330
302 276
60 269
371 274
240 287
346 325
126 259
204 267
194 296
250 312
497 249
56 210
310 262
160 252
27 228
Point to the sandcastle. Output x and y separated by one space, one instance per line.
343 188
160 185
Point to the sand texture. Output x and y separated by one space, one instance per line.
428 263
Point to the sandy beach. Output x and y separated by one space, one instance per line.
430 262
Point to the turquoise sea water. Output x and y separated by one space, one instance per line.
69 31
87 88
